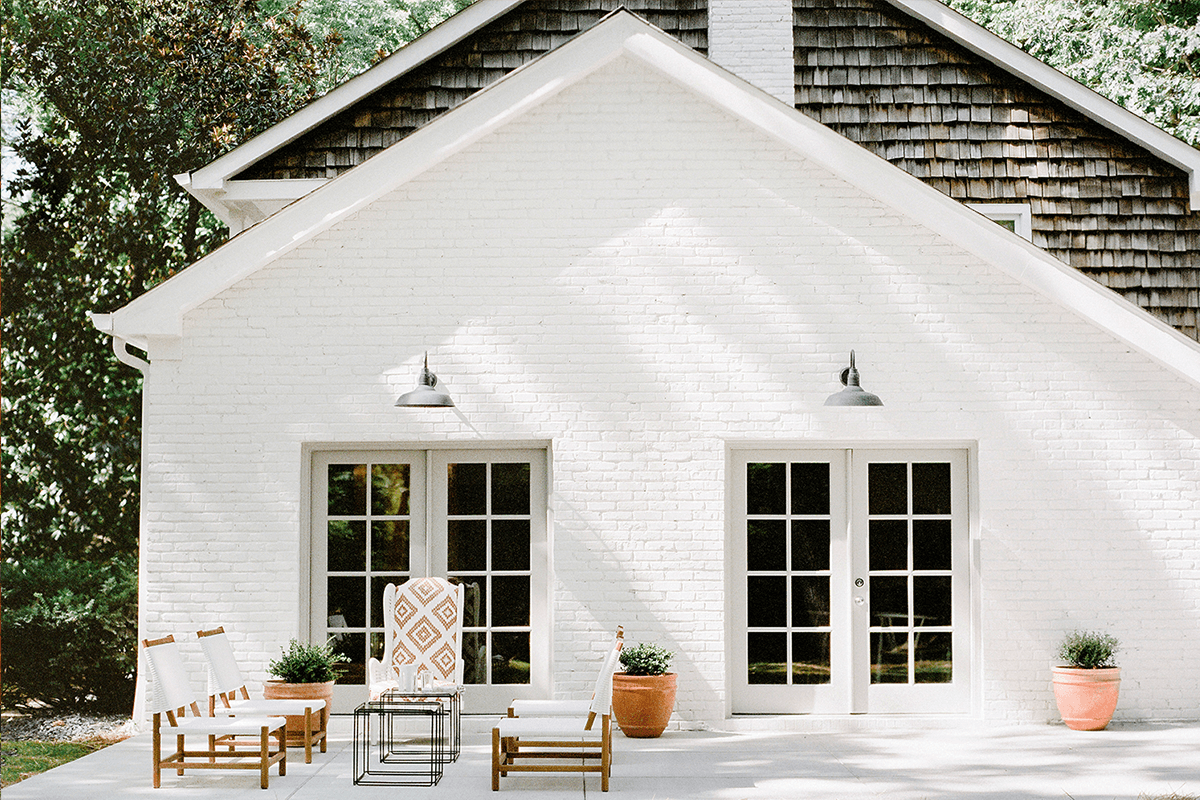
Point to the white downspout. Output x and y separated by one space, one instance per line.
103 323
121 350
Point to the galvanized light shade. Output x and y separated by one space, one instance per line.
853 394
427 394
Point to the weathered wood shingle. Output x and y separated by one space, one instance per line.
396 110
977 133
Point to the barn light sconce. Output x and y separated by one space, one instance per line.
853 394
427 394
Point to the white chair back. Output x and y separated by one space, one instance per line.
602 696
169 688
223 673
424 619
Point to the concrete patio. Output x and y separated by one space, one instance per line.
816 760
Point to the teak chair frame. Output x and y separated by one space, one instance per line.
247 706
212 727
560 737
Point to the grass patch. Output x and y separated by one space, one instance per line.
24 759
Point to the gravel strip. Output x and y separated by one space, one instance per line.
70 727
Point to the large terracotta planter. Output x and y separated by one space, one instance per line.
643 703
1086 698
278 690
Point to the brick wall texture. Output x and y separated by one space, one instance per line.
642 280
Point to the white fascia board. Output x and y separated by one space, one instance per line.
160 311
947 217
216 174
1013 59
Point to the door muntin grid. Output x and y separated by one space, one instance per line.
369 507
788 573
488 549
910 572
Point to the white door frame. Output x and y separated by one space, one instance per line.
848 551
313 625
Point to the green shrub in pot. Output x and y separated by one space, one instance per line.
308 663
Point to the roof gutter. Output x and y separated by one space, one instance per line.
120 346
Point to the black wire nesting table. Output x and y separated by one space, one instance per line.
405 738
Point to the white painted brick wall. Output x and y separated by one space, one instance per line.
753 40
640 283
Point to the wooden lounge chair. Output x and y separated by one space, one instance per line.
559 743
170 695
563 708
225 683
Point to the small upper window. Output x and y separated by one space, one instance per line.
1014 216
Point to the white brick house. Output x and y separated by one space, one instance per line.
639 276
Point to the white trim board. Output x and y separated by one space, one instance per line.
237 204
159 313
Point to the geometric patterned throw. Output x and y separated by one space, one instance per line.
424 626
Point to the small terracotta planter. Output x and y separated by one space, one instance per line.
1086 698
643 703
278 690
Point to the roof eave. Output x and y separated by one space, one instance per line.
1013 59
159 312
207 182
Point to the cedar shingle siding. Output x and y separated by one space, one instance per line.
886 81
396 110
973 131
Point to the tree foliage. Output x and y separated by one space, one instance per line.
1141 54
69 631
127 93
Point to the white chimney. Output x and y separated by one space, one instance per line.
753 40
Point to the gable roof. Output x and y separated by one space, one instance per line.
1100 109
157 315
418 82
240 202
971 129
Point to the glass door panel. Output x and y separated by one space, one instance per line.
849 582
366 504
916 569
489 522
791 539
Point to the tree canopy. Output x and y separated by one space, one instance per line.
1141 54
117 97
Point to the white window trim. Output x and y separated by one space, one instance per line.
1018 213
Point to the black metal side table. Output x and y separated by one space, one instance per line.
451 699
386 756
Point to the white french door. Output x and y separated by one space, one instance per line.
476 517
850 582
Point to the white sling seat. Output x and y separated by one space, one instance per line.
561 708
541 739
170 695
225 682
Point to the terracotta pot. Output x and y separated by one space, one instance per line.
275 690
1086 698
643 703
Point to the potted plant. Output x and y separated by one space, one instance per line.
305 672
644 694
1086 688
